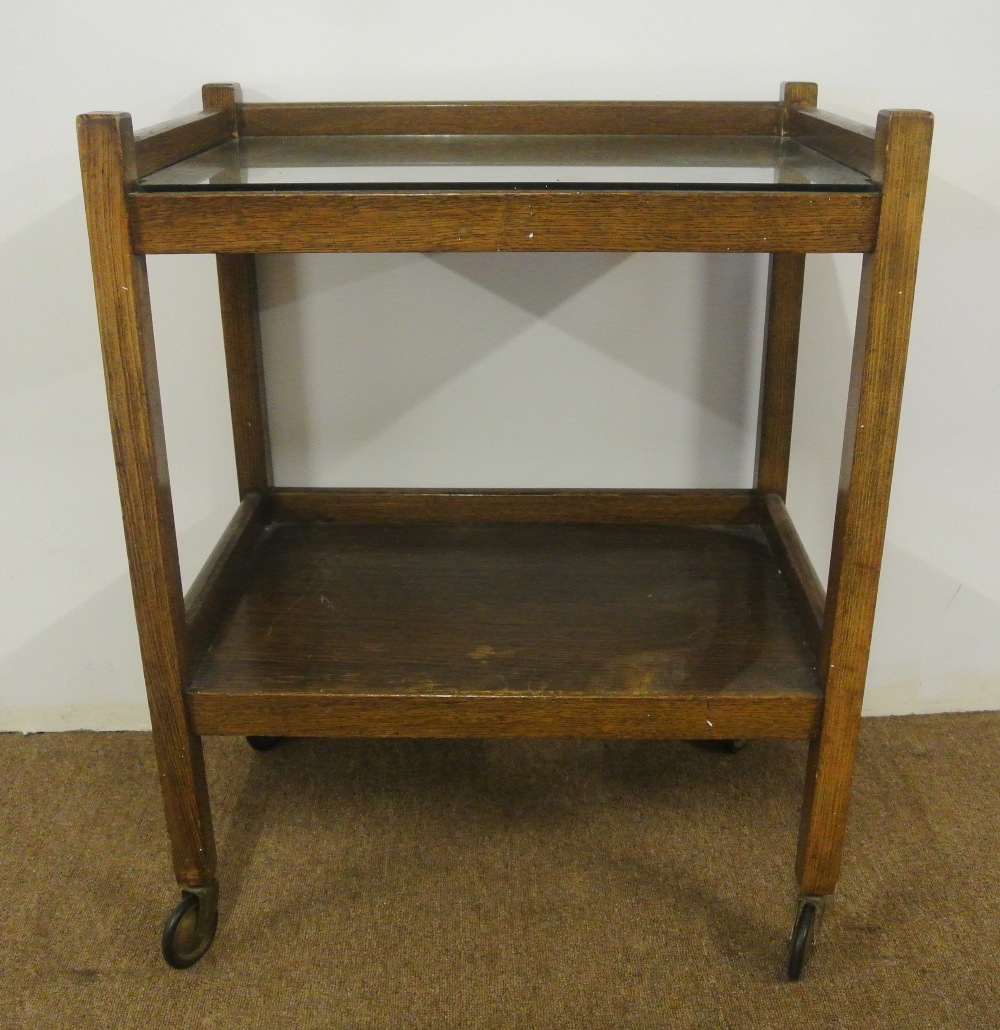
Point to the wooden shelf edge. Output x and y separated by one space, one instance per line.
207 595
337 221
721 118
683 507
846 141
796 566
169 142
718 717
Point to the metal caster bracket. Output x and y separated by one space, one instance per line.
809 911
190 928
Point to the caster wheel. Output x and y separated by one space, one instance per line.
802 940
263 743
190 929
726 747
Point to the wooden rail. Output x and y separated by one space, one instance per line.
333 221
724 118
848 142
169 142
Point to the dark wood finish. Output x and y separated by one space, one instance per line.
794 94
529 220
495 613
109 171
845 141
211 590
602 507
226 96
241 335
722 118
172 141
245 370
435 630
782 716
785 278
887 284
796 566
786 274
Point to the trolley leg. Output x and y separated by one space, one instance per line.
244 368
781 342
781 346
107 155
902 146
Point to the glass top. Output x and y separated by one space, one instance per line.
565 162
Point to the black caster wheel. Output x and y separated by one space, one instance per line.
802 940
263 743
725 746
190 928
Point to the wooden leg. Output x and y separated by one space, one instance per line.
241 333
108 166
781 341
781 350
902 147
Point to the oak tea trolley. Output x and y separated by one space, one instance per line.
686 614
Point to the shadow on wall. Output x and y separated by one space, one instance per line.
513 369
936 649
81 672
825 351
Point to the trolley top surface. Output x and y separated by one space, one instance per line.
523 161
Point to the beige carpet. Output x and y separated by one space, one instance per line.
504 884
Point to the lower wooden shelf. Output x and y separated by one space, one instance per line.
472 630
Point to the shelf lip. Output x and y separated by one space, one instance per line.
333 221
848 142
709 717
565 506
600 117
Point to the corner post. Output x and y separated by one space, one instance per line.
107 158
902 152
781 340
241 337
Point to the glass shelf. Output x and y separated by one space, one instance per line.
564 162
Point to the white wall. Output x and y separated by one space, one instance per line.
489 369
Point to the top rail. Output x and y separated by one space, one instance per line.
163 144
846 141
719 118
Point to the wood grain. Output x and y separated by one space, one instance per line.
681 117
168 142
225 96
212 588
245 370
605 507
788 716
846 141
417 627
785 278
805 94
528 220
797 567
887 285
107 160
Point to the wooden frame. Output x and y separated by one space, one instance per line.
175 633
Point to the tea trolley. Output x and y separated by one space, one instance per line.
674 613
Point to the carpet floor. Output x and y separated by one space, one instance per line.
481 884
